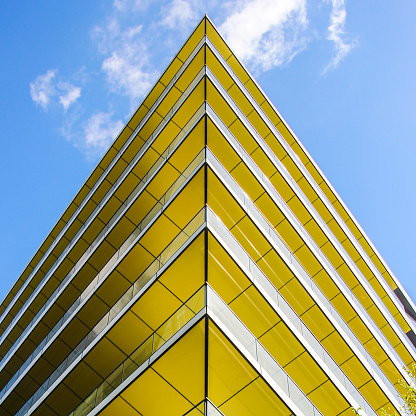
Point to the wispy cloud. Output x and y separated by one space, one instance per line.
46 87
127 65
94 135
71 94
43 88
178 14
99 131
336 33
266 33
130 5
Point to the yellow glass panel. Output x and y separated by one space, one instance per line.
191 104
136 261
284 131
240 132
296 296
104 357
374 395
149 127
269 209
216 39
152 312
186 274
115 172
218 70
190 72
171 70
225 277
326 284
347 275
163 180
317 322
183 366
216 101
165 137
323 211
299 209
340 303
240 99
301 154
271 114
255 91
255 399
362 296
140 207
222 203
114 286
365 270
190 200
251 239
105 161
308 260
337 348
135 145
275 269
358 327
306 373
120 232
328 399
101 191
168 101
221 148
377 316
281 186
228 371
254 311
263 162
153 95
118 407
193 40
109 209
247 181
192 145
137 118
129 332
238 69
281 344
146 393
165 230
90 379
127 186
276 146
258 124
145 163
289 235
101 255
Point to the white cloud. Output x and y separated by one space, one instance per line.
127 63
265 33
337 33
178 14
46 86
43 88
72 93
130 5
99 132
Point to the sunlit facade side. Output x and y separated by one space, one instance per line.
206 267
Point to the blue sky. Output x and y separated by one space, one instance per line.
342 74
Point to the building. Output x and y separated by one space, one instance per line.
206 267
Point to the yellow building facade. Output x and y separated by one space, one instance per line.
206 267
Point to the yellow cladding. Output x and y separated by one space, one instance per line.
154 261
173 385
233 385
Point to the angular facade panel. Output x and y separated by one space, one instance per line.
205 267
